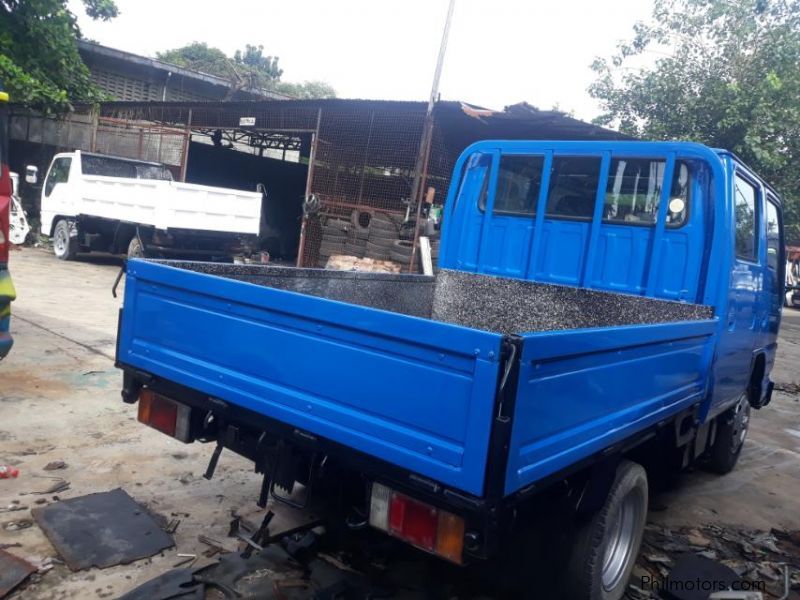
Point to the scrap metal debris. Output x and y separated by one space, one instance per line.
55 465
749 555
17 525
101 530
13 571
787 388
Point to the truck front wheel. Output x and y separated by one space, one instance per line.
605 547
732 426
65 247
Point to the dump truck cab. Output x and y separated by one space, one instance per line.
7 292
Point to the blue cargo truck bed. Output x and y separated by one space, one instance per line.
473 382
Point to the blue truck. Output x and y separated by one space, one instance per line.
600 306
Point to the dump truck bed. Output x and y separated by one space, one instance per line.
415 371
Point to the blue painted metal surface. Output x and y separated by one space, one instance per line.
581 391
420 394
416 393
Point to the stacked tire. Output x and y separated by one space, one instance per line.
366 234
383 233
334 237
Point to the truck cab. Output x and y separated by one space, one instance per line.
599 216
7 292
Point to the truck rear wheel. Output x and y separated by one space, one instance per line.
65 247
605 548
732 426
135 249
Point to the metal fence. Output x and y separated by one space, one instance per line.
361 154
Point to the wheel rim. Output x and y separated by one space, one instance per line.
741 422
60 242
621 539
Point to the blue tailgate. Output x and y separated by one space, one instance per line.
413 392
581 391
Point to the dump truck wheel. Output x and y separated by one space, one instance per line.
605 547
64 246
732 426
135 249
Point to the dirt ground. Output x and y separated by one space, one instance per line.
59 400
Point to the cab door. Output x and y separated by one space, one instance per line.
56 198
744 313
771 300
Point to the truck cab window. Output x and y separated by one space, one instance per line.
745 212
573 186
773 236
634 189
59 173
115 167
518 184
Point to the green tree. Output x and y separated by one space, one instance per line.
198 56
307 89
39 61
727 74
248 68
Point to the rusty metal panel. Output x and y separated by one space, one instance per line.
13 571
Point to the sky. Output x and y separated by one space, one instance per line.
500 52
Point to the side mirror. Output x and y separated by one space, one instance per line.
261 189
31 174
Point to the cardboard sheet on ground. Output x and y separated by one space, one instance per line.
101 530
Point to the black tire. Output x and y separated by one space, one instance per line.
382 242
732 426
617 528
135 248
403 247
399 257
361 219
65 247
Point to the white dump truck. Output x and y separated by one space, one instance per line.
98 202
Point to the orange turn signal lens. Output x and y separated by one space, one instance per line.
450 536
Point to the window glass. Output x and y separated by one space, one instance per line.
745 209
773 236
634 189
518 184
115 167
59 173
573 186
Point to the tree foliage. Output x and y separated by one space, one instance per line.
247 68
39 62
727 74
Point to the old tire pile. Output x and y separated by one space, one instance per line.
334 237
366 234
383 233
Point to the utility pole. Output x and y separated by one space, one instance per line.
421 169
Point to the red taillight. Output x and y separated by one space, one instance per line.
413 521
417 523
165 415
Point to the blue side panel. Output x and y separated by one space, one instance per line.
581 391
621 259
415 393
509 244
563 252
